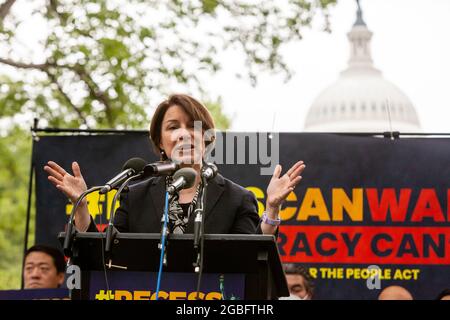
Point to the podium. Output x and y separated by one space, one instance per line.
250 264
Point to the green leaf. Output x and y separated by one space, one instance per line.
114 49
209 6
146 33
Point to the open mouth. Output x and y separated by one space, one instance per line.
186 147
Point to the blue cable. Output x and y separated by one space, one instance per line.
163 241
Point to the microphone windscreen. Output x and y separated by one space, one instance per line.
209 171
189 175
137 164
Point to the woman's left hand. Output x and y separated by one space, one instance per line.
280 187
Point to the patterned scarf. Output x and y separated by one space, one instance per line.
178 220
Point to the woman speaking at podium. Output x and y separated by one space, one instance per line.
229 207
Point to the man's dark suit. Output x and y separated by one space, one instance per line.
229 209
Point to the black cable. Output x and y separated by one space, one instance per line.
71 230
382 134
64 130
27 224
103 253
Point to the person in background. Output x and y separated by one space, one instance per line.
300 282
444 295
395 293
44 268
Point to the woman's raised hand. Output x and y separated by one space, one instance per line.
280 186
71 185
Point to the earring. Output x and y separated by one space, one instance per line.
163 153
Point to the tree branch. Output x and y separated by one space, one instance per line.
95 91
66 97
42 66
81 72
45 67
4 9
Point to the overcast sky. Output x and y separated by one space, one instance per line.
410 45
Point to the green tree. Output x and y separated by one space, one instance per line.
102 60
15 155
221 121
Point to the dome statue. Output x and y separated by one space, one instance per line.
361 100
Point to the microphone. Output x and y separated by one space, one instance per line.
130 168
209 171
160 168
182 179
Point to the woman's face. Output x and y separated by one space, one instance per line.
181 139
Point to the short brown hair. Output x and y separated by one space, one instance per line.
193 108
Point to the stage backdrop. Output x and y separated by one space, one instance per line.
363 201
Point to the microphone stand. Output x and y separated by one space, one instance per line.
198 223
199 232
111 232
71 231
162 245
163 240
170 194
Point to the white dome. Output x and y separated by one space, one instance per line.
358 100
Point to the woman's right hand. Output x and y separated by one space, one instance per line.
71 185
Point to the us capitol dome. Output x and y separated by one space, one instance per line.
361 100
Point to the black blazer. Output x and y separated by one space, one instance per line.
229 208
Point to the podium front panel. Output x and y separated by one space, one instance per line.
250 263
174 286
